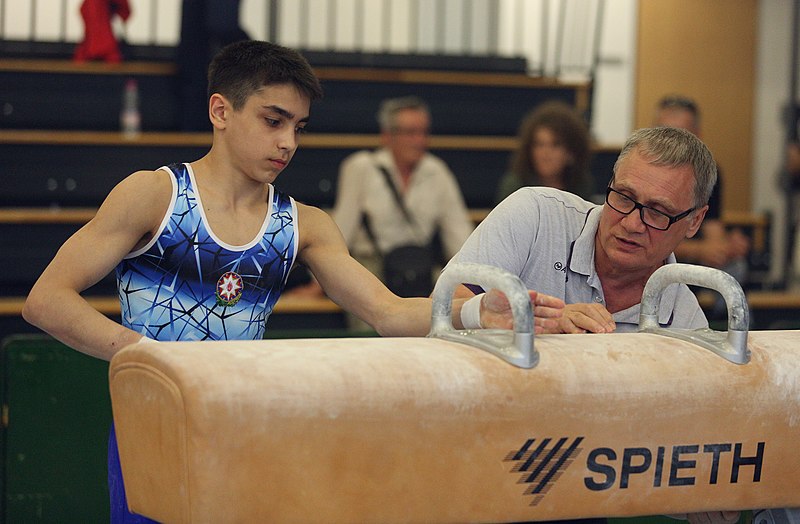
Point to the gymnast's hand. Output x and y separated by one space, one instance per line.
496 311
584 318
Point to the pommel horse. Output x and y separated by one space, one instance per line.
465 426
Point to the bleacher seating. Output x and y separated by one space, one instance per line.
61 98
61 149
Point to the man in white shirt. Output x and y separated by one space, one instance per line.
423 182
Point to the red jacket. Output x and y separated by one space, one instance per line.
99 42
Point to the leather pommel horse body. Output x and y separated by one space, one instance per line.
431 430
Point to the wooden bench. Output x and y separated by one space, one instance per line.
768 309
83 166
109 305
81 215
51 103
294 317
31 235
61 94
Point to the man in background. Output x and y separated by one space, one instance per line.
713 246
396 196
423 183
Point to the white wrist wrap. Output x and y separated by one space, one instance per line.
471 313
145 339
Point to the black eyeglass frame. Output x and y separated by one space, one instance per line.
641 207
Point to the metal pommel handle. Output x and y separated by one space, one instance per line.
515 348
731 345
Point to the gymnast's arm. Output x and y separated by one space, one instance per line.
354 288
131 213
322 249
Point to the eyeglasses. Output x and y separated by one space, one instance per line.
650 217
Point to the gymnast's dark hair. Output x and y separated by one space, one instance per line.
242 68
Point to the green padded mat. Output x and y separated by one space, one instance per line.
56 437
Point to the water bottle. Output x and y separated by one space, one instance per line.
130 120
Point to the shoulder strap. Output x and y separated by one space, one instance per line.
370 234
408 216
396 194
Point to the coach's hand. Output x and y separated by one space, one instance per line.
584 318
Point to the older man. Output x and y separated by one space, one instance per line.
597 258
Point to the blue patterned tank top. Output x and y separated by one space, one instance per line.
186 284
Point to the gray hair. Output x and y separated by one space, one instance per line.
391 106
673 147
681 102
